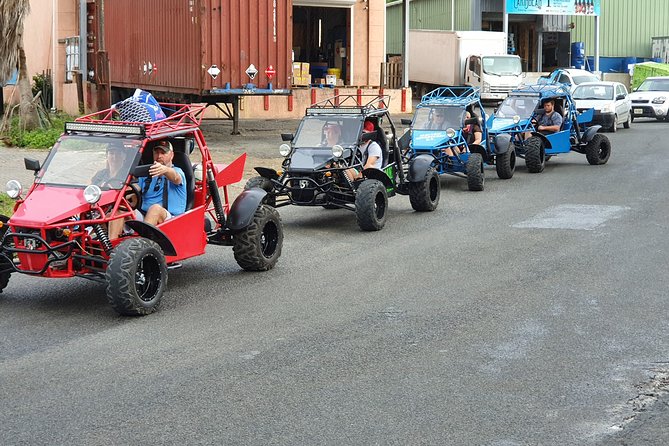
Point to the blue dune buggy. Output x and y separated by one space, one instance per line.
438 130
516 117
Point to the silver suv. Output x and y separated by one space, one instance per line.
651 99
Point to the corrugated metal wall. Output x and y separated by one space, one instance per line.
625 27
425 14
183 38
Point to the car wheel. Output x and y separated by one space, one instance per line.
264 184
598 150
424 195
614 126
505 163
631 117
535 155
475 173
136 277
627 124
258 246
371 205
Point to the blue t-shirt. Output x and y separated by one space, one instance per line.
176 193
553 119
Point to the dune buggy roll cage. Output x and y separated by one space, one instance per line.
451 96
365 104
182 118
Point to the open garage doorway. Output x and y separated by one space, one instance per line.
321 37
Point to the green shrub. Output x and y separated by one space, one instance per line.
36 139
6 205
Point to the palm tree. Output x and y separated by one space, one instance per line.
12 55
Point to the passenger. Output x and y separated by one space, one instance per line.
472 131
372 154
158 203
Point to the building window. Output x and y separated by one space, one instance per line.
71 58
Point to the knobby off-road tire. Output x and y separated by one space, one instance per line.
371 205
424 195
598 150
136 277
475 174
535 155
264 184
258 246
506 163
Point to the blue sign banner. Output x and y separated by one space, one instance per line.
553 7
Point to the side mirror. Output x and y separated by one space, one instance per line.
32 164
620 97
405 121
287 137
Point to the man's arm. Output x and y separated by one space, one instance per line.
168 172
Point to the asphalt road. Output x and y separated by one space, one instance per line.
533 312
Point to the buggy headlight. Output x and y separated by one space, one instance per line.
92 194
284 149
516 119
337 151
450 132
14 189
659 100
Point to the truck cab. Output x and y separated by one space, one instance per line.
495 75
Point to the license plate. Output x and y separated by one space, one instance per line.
638 111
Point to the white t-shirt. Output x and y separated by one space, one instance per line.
372 148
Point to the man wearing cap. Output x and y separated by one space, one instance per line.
163 192
372 155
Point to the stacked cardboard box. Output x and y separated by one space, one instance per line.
301 74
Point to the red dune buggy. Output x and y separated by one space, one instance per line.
60 227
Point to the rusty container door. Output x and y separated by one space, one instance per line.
154 45
172 45
238 33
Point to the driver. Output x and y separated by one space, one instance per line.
332 131
438 121
113 169
163 192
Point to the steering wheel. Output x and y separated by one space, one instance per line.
133 195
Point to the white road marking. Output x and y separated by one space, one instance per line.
573 216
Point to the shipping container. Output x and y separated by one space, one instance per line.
199 48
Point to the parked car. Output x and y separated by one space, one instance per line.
569 76
610 101
316 171
651 99
517 115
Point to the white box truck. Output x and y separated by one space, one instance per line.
463 58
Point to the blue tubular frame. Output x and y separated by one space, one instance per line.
459 97
554 143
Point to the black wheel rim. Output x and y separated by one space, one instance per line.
379 206
269 239
603 151
148 278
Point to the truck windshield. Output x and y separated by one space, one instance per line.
521 106
438 118
79 160
326 131
502 65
